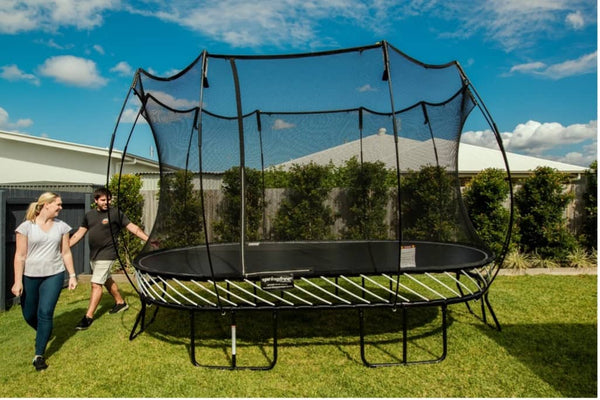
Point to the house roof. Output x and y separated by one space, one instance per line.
413 154
69 146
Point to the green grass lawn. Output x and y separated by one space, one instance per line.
547 348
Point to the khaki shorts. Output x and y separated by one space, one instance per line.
101 270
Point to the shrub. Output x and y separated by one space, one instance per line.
541 202
590 204
428 205
303 215
580 258
181 222
125 190
538 261
367 196
484 197
228 229
517 260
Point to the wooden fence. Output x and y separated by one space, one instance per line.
213 198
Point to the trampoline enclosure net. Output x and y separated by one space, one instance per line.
351 145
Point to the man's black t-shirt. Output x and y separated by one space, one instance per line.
101 243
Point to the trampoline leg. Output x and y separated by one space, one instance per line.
404 342
233 365
233 341
192 339
139 320
489 306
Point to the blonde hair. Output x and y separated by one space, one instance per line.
35 207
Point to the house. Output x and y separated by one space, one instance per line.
25 158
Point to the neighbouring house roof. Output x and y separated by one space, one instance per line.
412 153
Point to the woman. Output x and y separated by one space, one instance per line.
41 255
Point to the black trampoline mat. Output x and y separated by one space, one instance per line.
307 259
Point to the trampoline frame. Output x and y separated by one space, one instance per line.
175 293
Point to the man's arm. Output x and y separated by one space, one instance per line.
77 236
137 231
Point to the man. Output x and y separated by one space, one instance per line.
103 254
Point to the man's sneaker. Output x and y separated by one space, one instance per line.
39 363
84 323
118 308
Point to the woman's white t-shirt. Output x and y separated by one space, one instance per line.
44 257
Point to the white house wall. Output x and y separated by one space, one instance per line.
29 159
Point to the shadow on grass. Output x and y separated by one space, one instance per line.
563 355
64 326
298 328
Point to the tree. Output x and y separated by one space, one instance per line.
303 215
180 221
228 229
541 202
428 204
125 191
367 197
590 204
484 198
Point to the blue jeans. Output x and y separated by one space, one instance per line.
39 298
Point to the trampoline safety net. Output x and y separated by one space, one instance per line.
321 164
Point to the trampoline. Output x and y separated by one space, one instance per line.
309 259
316 205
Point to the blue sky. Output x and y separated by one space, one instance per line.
67 65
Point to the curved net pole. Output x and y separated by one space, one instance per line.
108 172
115 234
240 119
486 114
360 130
262 170
387 76
114 134
198 125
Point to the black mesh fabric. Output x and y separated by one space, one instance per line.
261 114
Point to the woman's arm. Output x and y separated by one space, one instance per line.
19 264
68 260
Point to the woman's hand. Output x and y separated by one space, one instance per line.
72 283
17 289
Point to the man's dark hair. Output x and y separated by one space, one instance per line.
102 192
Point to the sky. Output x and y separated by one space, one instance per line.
66 66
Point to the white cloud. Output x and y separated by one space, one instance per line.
122 69
73 71
281 124
14 73
538 139
516 23
292 23
575 20
28 15
53 44
5 122
129 116
585 64
529 67
173 102
367 88
99 49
